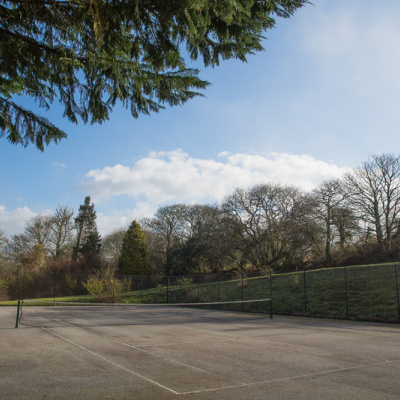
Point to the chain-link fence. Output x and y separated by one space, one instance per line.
369 293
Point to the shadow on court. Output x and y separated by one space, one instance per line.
212 358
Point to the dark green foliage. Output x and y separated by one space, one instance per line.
92 243
133 259
91 54
88 240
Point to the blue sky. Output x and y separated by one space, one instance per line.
321 98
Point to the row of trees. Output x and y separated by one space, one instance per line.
54 236
349 221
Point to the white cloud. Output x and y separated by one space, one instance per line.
119 219
107 223
59 165
175 177
13 222
168 177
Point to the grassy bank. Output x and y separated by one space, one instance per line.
368 293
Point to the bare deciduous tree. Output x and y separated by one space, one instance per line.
167 223
331 212
375 196
111 245
61 230
268 221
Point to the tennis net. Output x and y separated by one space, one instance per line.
50 313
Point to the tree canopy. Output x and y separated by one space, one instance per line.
134 258
348 221
91 54
88 240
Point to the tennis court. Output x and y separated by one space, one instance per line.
170 353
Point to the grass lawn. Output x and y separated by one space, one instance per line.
367 293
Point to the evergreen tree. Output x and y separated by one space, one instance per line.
133 259
88 240
92 243
91 54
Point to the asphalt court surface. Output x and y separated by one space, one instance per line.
283 358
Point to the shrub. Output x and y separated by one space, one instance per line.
104 285
3 289
184 282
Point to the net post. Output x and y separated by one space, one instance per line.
18 310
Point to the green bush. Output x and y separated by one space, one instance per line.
3 290
105 287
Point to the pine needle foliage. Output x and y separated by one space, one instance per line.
91 54
88 240
134 258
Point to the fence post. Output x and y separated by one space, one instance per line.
305 294
397 291
347 297
167 289
270 291
218 286
113 288
23 285
270 284
54 285
242 286
242 289
198 288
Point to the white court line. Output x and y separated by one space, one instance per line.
202 390
111 362
138 348
164 358
133 347
205 341
288 378
238 385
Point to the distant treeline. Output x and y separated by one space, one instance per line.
348 221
